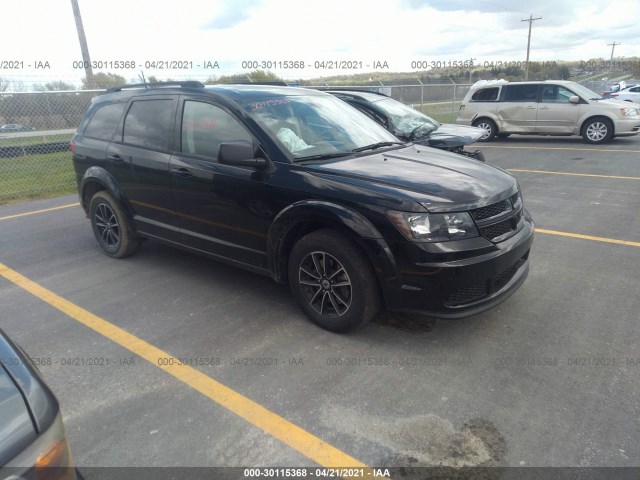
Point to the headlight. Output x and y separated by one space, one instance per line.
434 227
629 112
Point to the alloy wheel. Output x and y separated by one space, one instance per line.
107 224
325 284
597 131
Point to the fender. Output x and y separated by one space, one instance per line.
588 116
100 176
291 222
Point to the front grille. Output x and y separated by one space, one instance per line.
467 294
483 289
503 277
491 220
491 210
497 230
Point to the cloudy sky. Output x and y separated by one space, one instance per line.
397 32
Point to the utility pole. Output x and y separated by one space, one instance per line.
613 46
530 20
86 59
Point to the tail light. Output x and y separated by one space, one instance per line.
72 146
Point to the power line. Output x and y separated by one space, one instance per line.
530 20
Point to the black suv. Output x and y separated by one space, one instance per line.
297 185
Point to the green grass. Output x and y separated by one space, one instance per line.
36 176
443 113
24 141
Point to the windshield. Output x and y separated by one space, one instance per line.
315 126
585 92
406 121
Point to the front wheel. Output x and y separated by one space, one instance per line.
111 227
597 130
333 281
489 127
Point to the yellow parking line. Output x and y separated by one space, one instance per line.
39 211
560 148
589 237
304 442
572 174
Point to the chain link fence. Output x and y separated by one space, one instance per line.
438 100
35 129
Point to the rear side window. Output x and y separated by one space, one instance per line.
149 124
486 95
104 121
520 93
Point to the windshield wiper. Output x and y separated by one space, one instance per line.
322 156
373 146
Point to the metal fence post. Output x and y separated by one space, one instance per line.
453 99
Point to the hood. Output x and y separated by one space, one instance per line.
450 135
439 180
616 103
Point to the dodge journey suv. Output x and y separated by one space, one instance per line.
297 185
553 107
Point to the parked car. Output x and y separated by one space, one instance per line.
412 125
297 185
15 127
629 94
33 443
553 107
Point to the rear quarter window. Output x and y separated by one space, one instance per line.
103 122
486 95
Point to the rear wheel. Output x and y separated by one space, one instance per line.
333 281
488 126
111 227
597 130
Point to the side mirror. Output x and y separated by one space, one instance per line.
240 154
574 99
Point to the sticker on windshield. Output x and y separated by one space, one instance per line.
267 103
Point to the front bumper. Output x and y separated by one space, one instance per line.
627 127
454 287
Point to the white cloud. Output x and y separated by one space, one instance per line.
395 31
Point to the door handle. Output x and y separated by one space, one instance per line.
544 108
116 158
181 172
531 107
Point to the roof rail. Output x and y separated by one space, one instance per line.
274 83
185 84
353 90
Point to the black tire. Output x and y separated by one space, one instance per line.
597 130
111 226
503 135
333 281
489 126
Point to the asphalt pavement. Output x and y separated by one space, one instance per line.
549 378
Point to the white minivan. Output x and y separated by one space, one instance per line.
552 107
